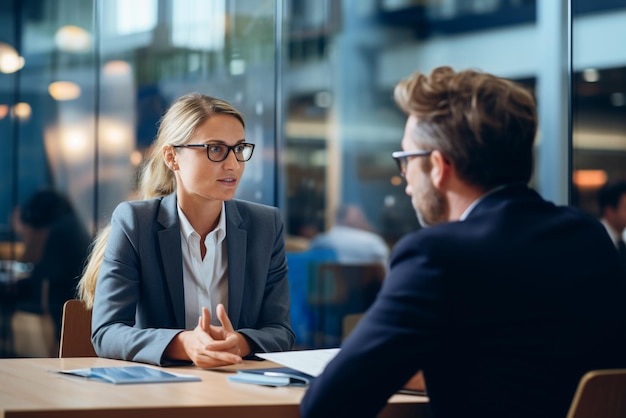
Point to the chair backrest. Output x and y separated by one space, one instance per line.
339 290
600 394
76 331
34 334
353 285
350 322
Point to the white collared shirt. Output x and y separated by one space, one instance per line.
471 207
205 280
615 236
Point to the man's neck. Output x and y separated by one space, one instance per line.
461 199
472 199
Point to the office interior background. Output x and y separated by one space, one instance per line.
83 84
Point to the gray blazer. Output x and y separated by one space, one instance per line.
139 304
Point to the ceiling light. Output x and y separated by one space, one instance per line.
72 39
116 67
586 179
237 66
64 90
10 61
591 75
22 110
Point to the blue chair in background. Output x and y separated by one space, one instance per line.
303 269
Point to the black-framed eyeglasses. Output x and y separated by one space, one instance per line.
218 152
402 158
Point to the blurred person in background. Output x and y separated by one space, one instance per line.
56 243
612 203
352 238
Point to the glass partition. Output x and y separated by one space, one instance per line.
598 99
83 85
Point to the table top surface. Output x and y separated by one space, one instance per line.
32 387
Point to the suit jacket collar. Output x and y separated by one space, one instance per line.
171 255
504 196
236 242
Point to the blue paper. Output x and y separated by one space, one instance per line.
131 374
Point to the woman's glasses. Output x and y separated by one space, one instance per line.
218 152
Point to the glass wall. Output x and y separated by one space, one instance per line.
97 76
84 83
598 99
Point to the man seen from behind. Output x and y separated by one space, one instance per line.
505 300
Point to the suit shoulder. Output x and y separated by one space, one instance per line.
429 236
141 208
254 209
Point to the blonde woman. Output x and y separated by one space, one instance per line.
191 275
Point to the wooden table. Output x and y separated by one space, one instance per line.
31 388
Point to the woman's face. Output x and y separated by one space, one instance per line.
197 177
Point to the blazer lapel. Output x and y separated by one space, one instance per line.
171 255
236 239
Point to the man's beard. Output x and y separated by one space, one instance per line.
430 206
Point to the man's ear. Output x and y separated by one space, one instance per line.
441 168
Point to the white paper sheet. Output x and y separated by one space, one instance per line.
311 362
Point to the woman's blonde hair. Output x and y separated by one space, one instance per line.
177 127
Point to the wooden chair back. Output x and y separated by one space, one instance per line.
600 394
349 323
76 331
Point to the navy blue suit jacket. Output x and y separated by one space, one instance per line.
503 312
139 303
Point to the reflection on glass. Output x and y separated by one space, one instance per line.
22 110
318 101
64 90
10 61
198 24
598 99
116 68
72 39
128 17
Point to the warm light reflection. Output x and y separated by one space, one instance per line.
10 61
116 137
136 157
74 144
4 110
72 39
22 111
64 90
586 179
117 67
396 181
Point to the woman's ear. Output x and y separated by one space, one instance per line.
441 168
169 156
